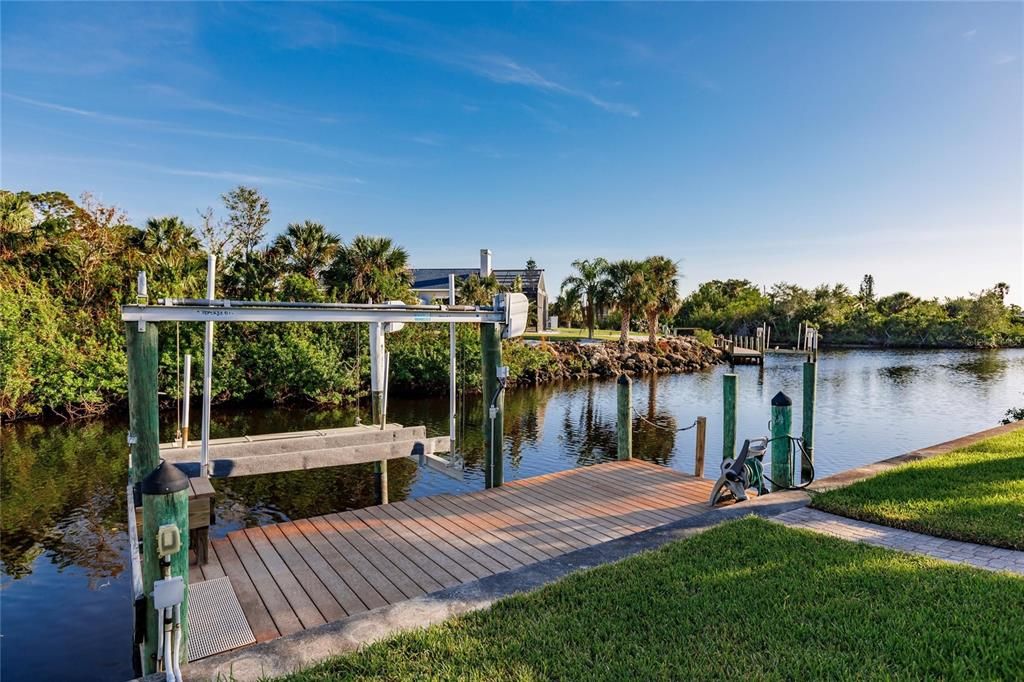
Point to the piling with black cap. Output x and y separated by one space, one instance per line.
782 425
624 418
164 503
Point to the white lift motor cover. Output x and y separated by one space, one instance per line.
517 308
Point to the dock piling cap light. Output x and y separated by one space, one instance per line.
164 480
781 400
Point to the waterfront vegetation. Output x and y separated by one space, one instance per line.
974 494
65 266
900 320
749 599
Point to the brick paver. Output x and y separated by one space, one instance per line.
980 556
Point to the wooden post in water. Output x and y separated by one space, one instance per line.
494 427
164 503
701 442
143 408
782 425
624 417
729 416
810 394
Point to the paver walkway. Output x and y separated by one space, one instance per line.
980 556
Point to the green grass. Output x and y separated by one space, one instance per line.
574 333
747 600
974 494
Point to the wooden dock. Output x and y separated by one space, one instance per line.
300 574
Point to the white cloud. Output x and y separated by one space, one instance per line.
1004 59
969 35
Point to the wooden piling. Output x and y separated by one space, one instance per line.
701 442
729 382
782 424
164 502
624 417
494 429
143 407
810 394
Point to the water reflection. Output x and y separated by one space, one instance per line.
62 485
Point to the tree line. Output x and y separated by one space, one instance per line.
643 295
66 266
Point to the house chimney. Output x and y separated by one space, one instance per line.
485 262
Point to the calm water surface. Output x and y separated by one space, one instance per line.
64 590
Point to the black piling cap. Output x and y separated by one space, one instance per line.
781 400
623 379
164 480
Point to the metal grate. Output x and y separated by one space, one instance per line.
215 619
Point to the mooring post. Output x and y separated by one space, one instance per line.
729 416
143 408
698 463
810 394
782 424
494 405
624 421
164 554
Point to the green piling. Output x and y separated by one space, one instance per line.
494 429
782 424
164 502
810 393
143 407
624 420
729 416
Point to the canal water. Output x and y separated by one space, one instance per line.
64 587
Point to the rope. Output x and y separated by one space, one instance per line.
663 428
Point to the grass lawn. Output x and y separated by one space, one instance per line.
574 333
974 494
747 600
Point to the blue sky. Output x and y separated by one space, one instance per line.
798 142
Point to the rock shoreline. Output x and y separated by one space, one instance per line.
573 360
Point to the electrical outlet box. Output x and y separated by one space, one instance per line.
168 592
168 540
502 372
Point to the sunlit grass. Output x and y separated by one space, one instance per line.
747 600
975 494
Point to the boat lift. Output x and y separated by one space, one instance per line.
291 451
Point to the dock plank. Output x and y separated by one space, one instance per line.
260 620
299 574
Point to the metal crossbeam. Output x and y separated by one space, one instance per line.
225 311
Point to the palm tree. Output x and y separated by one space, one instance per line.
171 248
588 284
370 269
568 306
308 248
662 280
629 289
476 290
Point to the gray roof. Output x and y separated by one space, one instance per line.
437 278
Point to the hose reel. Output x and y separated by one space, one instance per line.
746 471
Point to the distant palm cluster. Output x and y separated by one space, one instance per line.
620 292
